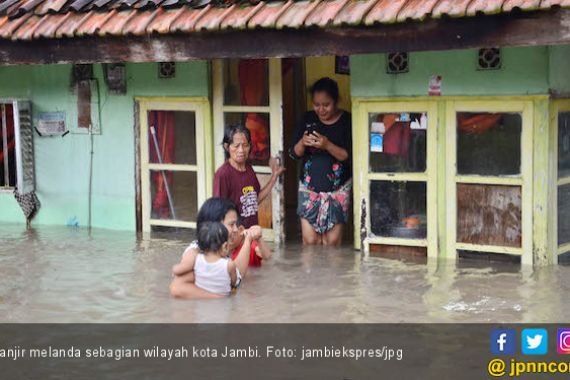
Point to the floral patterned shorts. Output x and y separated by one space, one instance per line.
324 210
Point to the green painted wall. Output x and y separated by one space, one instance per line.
524 71
559 70
62 164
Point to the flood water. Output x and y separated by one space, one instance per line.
61 274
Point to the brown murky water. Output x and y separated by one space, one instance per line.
58 274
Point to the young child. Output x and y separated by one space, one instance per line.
213 271
224 211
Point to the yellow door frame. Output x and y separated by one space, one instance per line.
557 106
524 180
204 155
362 176
534 153
275 111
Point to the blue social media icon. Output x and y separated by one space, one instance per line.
534 341
503 342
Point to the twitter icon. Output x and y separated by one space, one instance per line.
534 341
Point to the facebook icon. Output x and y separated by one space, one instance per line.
503 342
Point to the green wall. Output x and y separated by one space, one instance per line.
62 164
559 70
524 71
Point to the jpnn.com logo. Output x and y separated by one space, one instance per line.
503 342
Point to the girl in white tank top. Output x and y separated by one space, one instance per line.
213 271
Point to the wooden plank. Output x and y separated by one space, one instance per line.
489 215
489 249
265 213
397 241
519 29
172 223
414 254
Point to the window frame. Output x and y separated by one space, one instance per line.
200 106
363 177
558 106
24 184
524 179
275 112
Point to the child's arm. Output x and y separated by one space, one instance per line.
186 264
186 290
242 259
183 285
232 272
262 250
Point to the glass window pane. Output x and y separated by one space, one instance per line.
489 215
258 125
488 144
7 147
563 144
398 142
246 82
563 214
398 209
175 137
183 188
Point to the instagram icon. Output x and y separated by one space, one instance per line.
563 343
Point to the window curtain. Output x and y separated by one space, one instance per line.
11 142
163 122
252 83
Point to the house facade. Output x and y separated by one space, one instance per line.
113 114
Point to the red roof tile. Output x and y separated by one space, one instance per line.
163 21
240 16
267 16
484 6
385 11
545 4
296 14
36 19
325 13
453 8
509 5
353 12
212 19
186 19
416 9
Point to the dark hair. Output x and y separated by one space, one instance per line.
327 85
214 210
230 132
212 236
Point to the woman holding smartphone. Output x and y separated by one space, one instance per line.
324 143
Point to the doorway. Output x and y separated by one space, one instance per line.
298 76
269 97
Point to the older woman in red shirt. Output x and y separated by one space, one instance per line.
236 179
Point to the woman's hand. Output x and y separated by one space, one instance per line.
276 168
254 232
319 141
276 171
307 139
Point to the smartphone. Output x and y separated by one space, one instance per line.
311 128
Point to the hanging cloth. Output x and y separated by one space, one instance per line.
253 87
29 203
163 122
